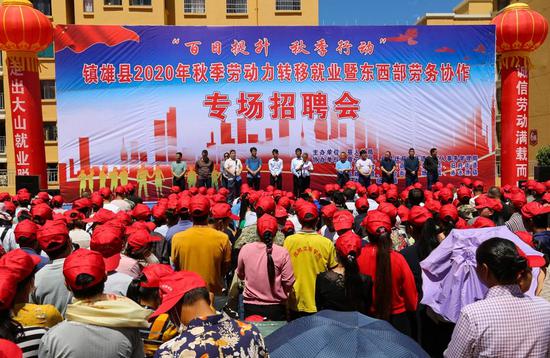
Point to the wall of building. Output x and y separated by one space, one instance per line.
124 14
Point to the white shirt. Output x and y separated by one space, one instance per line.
121 204
8 242
162 230
307 168
250 218
296 222
109 206
373 205
296 163
364 166
233 167
117 284
80 237
275 166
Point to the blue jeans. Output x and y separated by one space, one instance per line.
432 178
364 180
411 179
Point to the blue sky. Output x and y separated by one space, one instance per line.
379 12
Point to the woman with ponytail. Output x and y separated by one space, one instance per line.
267 273
394 291
343 288
507 323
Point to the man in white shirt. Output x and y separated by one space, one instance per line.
7 236
296 169
233 168
276 169
364 168
307 168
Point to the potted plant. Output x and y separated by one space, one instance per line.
542 169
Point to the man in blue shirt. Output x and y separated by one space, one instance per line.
253 167
179 168
343 168
388 168
412 165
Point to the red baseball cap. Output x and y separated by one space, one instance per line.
388 209
23 195
289 225
19 263
478 184
280 212
97 200
57 199
158 212
202 190
210 191
342 220
194 190
534 208
373 189
42 211
43 196
545 198
307 212
463 192
362 204
140 239
391 195
540 188
403 213
267 223
123 217
199 205
52 235
101 216
5 196
173 288
482 222
375 220
219 198
445 195
267 204
466 182
83 261
518 199
329 188
182 204
141 212
348 242
154 274
483 201
433 205
73 215
223 191
222 211
120 190
25 228
418 215
449 211
284 201
107 241
328 211
105 192
461 224
8 349
8 289
175 189
9 207
82 203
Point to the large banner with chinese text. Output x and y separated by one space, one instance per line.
129 98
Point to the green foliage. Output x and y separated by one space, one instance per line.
543 156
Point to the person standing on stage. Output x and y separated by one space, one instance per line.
388 168
412 165
253 168
307 168
234 168
343 168
204 167
276 170
179 168
296 169
431 164
364 168
222 168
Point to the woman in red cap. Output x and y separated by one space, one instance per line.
394 291
343 288
267 273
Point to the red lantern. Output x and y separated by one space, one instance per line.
519 30
24 28
23 32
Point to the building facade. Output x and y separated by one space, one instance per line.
133 12
479 12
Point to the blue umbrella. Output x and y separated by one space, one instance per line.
332 334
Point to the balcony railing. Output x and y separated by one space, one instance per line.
2 144
52 176
7 177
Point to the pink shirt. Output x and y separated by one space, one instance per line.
129 266
252 268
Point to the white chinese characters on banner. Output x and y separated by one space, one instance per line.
521 130
19 109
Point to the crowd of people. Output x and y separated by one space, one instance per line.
108 276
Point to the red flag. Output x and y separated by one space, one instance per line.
79 38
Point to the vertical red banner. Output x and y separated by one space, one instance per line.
514 124
26 114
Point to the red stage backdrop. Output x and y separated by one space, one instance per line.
130 97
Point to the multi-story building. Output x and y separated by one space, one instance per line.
479 12
133 12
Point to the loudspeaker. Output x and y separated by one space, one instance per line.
30 182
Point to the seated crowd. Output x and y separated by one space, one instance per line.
112 277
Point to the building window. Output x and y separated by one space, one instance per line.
113 2
46 53
140 2
48 89
501 4
194 6
50 131
88 5
52 173
288 5
44 6
236 7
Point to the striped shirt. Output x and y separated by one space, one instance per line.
30 341
506 323
515 223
